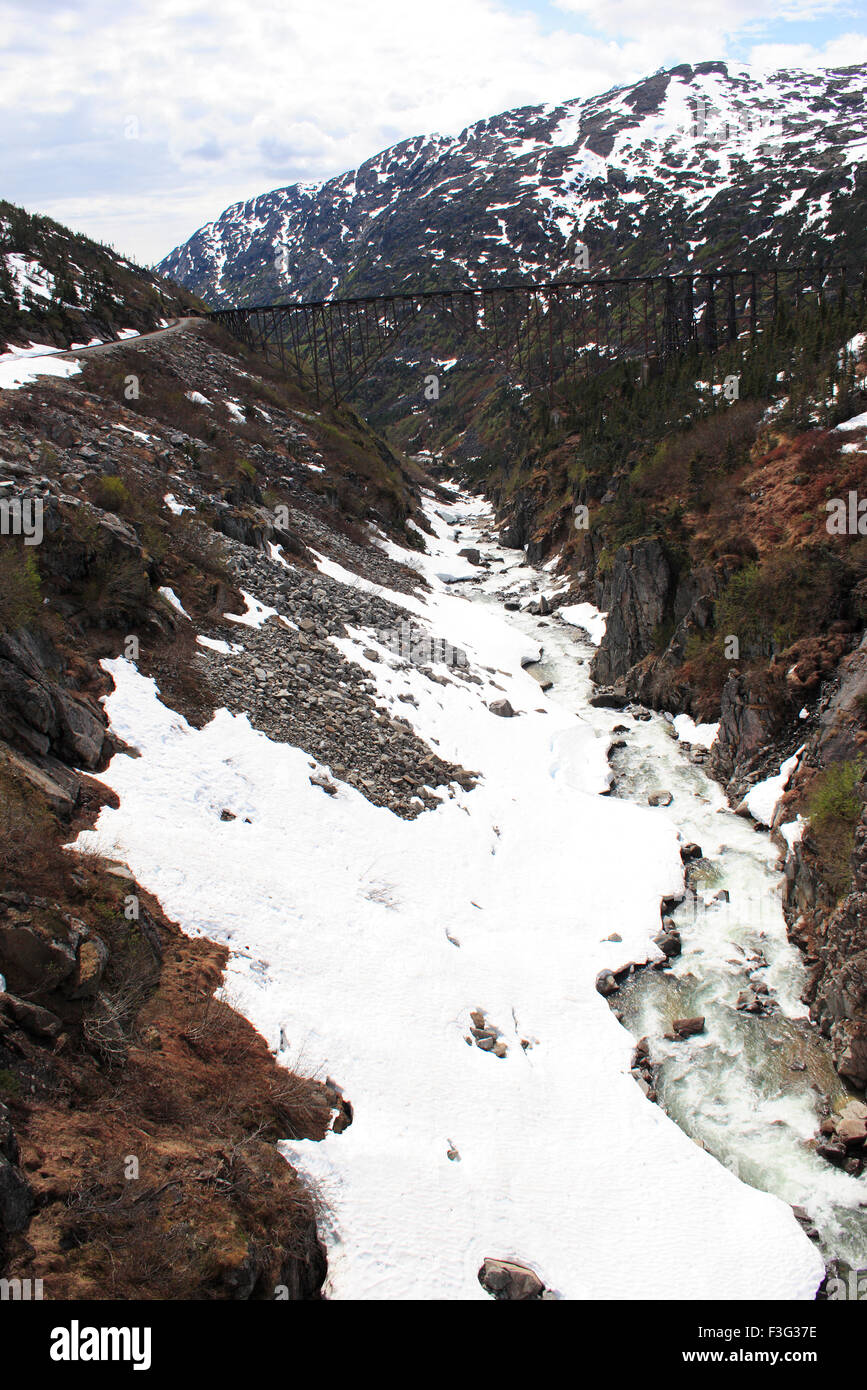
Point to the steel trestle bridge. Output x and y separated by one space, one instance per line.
546 335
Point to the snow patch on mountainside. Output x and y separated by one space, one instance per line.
662 167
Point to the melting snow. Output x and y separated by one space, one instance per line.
173 599
762 799
587 617
702 735
17 370
379 935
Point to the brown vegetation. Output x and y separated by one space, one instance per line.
153 1069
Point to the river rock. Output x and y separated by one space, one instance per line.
669 943
852 1131
609 699
833 1151
660 799
687 1027
854 1110
689 852
503 708
606 983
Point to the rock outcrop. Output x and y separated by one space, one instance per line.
636 594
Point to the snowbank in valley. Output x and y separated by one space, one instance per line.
369 939
588 618
762 799
701 735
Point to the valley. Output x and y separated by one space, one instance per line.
433 823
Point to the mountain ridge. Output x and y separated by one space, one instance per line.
681 167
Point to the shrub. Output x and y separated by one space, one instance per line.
20 586
792 594
112 494
833 809
819 449
834 797
115 592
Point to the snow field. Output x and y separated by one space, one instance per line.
342 921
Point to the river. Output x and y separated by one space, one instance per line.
750 1087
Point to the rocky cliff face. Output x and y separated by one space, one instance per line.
636 594
829 920
833 936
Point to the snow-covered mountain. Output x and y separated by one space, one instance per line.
696 164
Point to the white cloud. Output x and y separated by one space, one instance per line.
837 53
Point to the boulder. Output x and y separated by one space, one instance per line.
854 1110
503 708
686 1027
669 944
660 799
510 1280
609 699
852 1131
31 957
60 786
39 1022
606 983
92 960
16 1198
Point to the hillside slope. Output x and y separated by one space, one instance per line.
139 1112
60 288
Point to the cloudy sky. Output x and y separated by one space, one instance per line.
138 120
